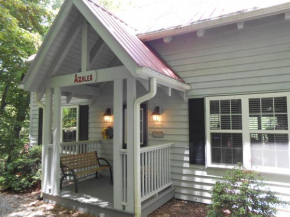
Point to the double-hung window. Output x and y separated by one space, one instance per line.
70 124
251 129
225 131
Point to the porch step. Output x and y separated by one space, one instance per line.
150 205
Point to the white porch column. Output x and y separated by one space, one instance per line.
56 141
118 142
46 168
131 97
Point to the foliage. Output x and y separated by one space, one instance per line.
242 192
23 173
23 24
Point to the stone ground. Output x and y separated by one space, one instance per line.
16 205
27 205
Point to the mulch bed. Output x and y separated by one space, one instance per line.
181 208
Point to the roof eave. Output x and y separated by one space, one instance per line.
259 13
163 79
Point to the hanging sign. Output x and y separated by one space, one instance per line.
84 77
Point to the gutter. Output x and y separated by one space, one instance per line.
41 105
219 21
137 179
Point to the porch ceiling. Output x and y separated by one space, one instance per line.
67 46
71 61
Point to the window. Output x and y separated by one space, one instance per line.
226 146
269 149
250 129
143 125
69 124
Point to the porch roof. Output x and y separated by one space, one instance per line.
138 51
111 38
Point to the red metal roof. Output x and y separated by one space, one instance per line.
127 38
164 14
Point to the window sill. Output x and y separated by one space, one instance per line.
264 170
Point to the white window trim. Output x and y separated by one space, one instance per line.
78 123
245 132
141 129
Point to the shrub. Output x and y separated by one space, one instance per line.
242 192
24 173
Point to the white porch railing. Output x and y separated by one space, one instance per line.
67 148
155 170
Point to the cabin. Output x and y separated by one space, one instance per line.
170 108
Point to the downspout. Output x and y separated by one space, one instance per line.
41 105
137 179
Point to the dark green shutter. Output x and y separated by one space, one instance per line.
196 131
40 122
84 123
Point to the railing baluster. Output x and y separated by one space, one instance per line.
145 178
142 173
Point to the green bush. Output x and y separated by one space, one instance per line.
242 192
24 173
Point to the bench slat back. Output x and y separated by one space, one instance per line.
83 161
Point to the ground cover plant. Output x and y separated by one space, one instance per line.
24 173
243 192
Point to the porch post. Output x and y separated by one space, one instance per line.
55 182
131 97
118 142
46 139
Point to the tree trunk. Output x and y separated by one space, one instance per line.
3 100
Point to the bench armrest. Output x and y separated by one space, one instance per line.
103 159
63 166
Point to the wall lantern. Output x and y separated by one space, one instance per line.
107 115
156 114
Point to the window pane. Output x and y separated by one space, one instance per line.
226 115
225 122
227 148
236 122
255 122
214 107
216 155
270 150
268 113
267 105
255 105
281 122
216 140
69 124
280 104
236 106
214 122
225 107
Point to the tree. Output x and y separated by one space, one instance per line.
23 24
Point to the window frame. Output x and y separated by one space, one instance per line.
78 123
245 132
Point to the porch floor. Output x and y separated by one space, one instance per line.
91 191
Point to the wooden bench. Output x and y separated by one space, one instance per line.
78 165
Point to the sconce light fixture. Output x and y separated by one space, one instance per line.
107 115
156 114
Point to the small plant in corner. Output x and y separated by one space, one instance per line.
242 192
